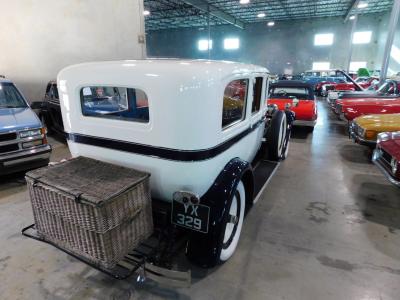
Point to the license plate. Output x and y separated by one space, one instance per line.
194 217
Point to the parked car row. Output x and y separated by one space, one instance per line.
374 120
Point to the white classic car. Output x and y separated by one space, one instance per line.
196 126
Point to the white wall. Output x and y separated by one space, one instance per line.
40 37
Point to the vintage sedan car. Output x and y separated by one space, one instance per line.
299 96
365 129
23 143
196 126
387 156
352 109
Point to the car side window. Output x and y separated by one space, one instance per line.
48 89
234 102
55 91
257 91
120 103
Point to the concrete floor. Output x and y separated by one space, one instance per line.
326 227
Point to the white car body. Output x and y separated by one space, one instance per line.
185 100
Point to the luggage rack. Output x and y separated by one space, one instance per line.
152 259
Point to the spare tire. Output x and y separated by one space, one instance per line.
277 137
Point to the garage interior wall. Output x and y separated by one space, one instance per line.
40 37
287 45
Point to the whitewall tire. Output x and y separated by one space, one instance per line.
234 223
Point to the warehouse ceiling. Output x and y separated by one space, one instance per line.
167 14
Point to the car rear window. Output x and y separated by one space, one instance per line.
289 92
234 102
128 104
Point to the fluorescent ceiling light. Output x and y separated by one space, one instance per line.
271 23
362 5
146 13
204 44
321 66
261 15
352 17
324 39
362 37
231 44
244 1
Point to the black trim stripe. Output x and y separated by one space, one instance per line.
164 153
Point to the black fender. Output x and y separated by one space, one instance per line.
205 249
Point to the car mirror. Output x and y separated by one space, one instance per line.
36 105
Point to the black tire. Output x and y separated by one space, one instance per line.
277 137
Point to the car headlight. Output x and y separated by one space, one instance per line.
30 133
394 165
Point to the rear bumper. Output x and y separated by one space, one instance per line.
25 159
359 140
376 159
305 123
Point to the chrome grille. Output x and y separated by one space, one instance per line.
8 136
12 142
339 108
9 148
55 101
386 156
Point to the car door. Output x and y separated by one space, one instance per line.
256 111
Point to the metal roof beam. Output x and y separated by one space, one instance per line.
214 11
352 6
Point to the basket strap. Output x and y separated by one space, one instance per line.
77 195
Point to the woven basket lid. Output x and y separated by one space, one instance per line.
88 180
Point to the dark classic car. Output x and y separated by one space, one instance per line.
50 112
387 156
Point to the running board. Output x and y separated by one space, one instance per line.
263 172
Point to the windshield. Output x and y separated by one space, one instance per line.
289 92
388 88
10 97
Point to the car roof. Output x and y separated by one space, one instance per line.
169 65
291 83
5 80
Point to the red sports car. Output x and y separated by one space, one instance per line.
387 156
364 82
299 96
354 108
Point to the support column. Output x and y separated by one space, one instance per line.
353 29
394 17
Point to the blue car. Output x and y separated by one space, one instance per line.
23 143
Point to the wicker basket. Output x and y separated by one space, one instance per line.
91 208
